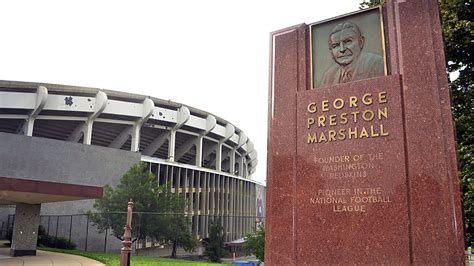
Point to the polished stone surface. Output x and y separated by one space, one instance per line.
351 192
280 241
364 172
433 183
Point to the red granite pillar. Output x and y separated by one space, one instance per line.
287 76
403 208
434 195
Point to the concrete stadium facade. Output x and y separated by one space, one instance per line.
66 136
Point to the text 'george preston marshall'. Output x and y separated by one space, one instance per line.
363 120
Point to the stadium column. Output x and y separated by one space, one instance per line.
186 189
244 207
241 165
178 181
237 209
191 203
211 123
218 211
229 132
241 205
203 204
242 140
243 161
247 207
241 212
252 206
198 158
198 203
147 110
212 198
41 97
231 208
100 104
191 193
250 162
226 207
223 198
217 193
207 177
182 116
232 161
254 201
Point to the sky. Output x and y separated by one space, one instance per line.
210 54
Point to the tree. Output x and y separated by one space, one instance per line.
214 245
142 187
458 30
177 227
158 213
370 3
255 243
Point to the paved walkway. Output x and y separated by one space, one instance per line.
45 258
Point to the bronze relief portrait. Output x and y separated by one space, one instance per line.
347 49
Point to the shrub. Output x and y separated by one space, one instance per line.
46 240
56 242
255 243
214 245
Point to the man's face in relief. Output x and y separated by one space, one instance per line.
346 46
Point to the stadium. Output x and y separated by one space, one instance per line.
59 146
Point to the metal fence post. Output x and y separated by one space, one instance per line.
105 241
70 228
49 220
57 225
87 230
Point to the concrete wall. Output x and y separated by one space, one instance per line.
5 211
66 162
61 161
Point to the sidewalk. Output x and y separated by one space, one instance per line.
44 258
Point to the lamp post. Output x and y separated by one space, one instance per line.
127 238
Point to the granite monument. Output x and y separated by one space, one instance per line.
361 154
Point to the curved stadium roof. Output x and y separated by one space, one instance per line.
157 128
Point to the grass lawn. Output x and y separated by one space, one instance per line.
111 259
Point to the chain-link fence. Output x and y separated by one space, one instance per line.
99 231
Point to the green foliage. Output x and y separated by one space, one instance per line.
137 184
255 243
158 213
56 242
214 245
458 30
370 3
176 228
46 240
